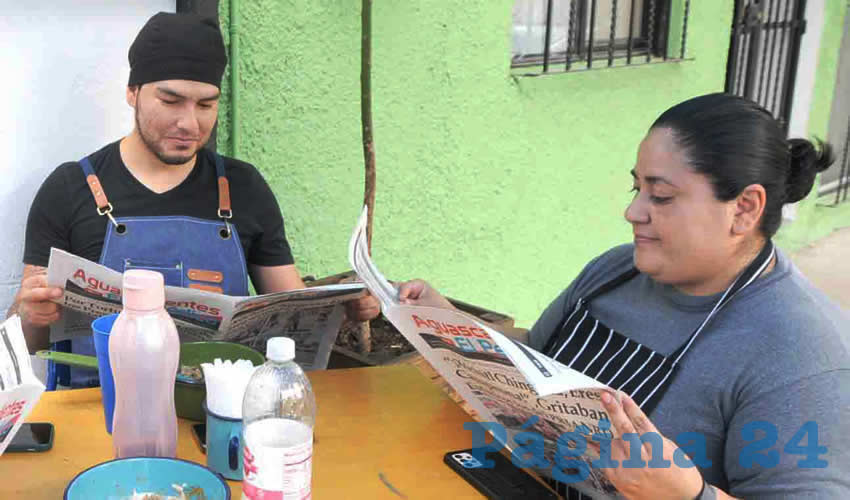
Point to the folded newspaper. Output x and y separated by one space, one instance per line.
501 379
311 317
19 387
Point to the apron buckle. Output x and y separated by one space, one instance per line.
225 214
107 211
225 232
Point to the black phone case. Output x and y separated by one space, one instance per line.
501 482
17 447
199 434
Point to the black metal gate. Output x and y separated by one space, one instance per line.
764 51
844 170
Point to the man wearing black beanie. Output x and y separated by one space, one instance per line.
156 198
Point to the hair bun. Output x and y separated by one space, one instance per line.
807 160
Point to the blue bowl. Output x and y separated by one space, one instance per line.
116 480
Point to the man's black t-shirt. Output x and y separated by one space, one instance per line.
64 213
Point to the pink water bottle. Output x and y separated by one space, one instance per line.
144 352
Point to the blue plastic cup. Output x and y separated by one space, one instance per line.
224 445
101 328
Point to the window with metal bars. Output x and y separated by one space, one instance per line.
764 51
551 36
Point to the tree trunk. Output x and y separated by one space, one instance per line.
364 336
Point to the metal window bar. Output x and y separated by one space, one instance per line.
685 28
733 62
753 14
581 27
651 30
764 53
570 33
613 33
647 35
795 34
745 39
765 12
778 60
631 32
844 172
664 37
548 36
592 29
783 38
773 19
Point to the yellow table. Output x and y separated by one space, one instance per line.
375 426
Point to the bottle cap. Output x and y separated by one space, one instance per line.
280 349
143 290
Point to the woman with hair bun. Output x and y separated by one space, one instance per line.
705 325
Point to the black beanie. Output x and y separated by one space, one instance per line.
178 47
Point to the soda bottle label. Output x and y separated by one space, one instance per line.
277 460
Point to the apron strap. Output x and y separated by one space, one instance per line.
611 284
103 205
755 269
225 211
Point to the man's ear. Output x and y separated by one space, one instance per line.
749 208
132 94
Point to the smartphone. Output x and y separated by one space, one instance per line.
502 481
35 436
199 433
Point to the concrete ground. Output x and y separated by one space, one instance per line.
826 263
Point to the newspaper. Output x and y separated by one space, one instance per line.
311 317
19 387
501 379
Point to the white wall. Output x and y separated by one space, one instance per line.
64 73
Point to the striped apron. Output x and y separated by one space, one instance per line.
584 344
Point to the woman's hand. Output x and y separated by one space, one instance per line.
645 482
420 293
363 309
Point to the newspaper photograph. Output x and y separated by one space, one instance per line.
20 390
311 317
501 379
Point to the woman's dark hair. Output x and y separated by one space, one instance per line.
735 143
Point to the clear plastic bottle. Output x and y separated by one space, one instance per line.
144 352
278 414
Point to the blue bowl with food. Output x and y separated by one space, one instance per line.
147 478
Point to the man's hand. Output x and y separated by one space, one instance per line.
33 304
363 309
34 300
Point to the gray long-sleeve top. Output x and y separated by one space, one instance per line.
778 353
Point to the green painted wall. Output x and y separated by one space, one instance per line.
496 189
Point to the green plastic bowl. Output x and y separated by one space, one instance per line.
188 397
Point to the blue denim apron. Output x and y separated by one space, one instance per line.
189 252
